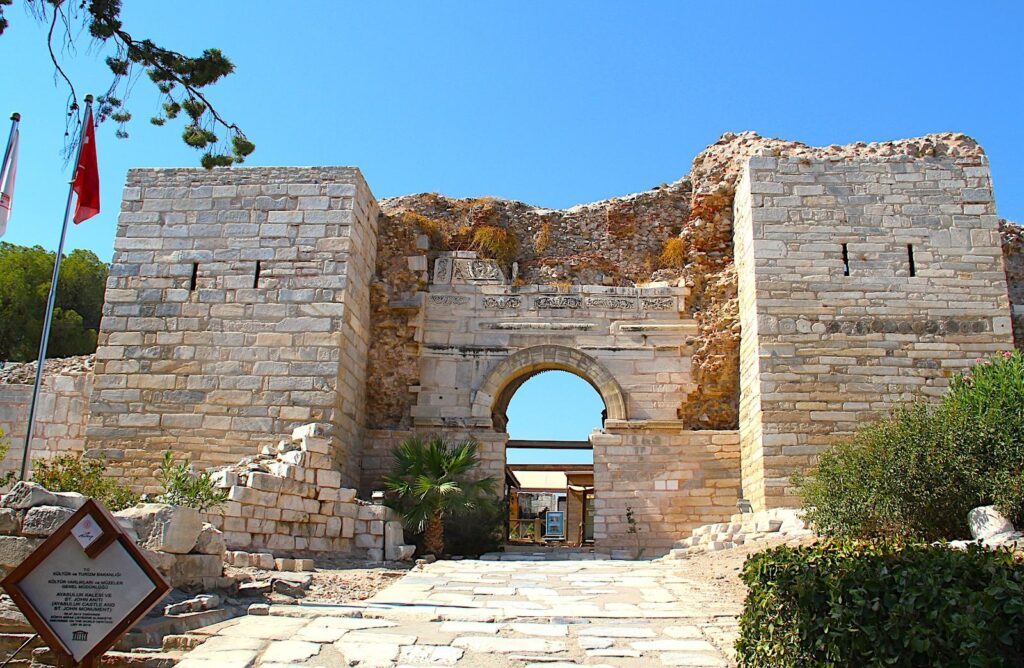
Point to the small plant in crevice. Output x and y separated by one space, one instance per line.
543 239
634 530
184 487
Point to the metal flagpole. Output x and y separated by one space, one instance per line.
15 120
47 319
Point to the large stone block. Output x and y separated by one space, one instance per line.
165 528
191 569
42 521
986 521
15 549
210 541
26 494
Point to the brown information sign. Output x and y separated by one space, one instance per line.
85 586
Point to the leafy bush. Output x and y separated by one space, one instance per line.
183 487
75 473
918 473
871 604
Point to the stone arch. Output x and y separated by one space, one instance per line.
492 398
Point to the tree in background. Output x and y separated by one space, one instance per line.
180 79
25 275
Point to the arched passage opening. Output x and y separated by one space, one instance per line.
549 399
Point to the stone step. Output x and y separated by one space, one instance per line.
151 631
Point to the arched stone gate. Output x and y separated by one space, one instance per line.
482 338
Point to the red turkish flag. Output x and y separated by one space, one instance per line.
87 175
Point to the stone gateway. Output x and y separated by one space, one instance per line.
735 323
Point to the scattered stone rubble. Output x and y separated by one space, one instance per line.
24 373
743 529
289 500
991 529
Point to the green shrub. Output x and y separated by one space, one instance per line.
75 473
182 487
990 400
7 477
917 474
864 604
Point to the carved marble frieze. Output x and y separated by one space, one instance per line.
612 303
477 271
657 303
449 300
503 302
558 302
443 270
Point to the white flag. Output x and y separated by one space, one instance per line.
7 173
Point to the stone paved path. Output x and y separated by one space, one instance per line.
501 614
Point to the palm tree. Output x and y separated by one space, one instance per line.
433 480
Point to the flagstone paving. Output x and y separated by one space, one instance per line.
625 614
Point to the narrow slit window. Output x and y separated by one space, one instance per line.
195 275
846 261
910 259
256 277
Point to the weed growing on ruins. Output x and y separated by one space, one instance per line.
918 473
673 254
183 487
543 239
76 473
634 530
496 243
433 480
5 447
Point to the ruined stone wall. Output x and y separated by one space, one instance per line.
61 414
237 308
825 352
672 480
1013 259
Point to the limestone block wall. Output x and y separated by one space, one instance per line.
61 417
672 480
236 309
864 284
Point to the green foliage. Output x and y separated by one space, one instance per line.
25 275
75 473
434 480
180 79
918 473
5 447
872 604
183 487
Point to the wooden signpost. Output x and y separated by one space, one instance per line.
85 586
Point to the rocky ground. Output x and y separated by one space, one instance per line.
334 582
469 613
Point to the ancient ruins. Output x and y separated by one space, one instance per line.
734 322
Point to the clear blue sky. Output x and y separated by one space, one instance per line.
551 103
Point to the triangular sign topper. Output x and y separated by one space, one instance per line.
85 586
